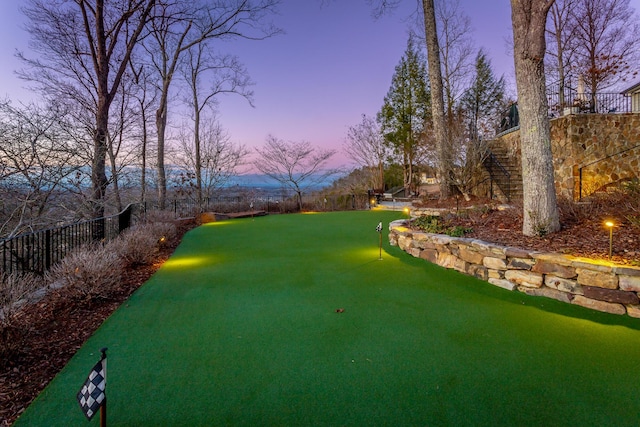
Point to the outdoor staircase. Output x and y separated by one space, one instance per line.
505 172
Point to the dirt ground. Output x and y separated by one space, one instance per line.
58 329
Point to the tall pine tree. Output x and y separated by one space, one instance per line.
484 100
406 112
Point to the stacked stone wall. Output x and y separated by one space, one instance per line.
589 151
589 283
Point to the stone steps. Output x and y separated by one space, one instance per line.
510 186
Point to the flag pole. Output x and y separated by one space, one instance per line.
103 407
93 393
379 230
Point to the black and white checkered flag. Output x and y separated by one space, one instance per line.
92 394
379 227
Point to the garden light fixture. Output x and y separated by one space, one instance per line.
610 224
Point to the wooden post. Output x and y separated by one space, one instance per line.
103 407
103 413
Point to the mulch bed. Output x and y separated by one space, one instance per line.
583 233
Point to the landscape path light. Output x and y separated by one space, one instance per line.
610 224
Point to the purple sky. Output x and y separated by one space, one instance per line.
334 64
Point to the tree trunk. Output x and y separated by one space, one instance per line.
143 173
161 125
560 59
114 177
539 196
98 169
437 97
198 155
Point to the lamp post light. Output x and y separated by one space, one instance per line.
610 225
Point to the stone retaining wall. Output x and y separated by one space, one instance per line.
589 283
589 151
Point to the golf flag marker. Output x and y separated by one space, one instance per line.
379 230
92 396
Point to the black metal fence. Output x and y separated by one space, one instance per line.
38 251
570 102
567 100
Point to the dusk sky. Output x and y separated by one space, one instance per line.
333 64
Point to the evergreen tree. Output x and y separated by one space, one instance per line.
406 112
484 100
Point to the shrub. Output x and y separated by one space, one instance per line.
458 231
632 186
14 290
428 223
436 225
136 246
92 272
159 230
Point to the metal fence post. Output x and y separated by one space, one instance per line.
47 249
124 219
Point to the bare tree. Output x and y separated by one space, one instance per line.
365 146
84 49
38 162
295 165
560 29
607 40
224 74
179 26
456 50
145 95
219 158
539 196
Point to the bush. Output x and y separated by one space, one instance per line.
437 225
140 245
14 291
92 272
136 246
162 231
632 187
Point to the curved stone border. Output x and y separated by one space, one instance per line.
586 282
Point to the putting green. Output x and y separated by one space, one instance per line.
240 327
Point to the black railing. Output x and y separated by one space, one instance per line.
574 101
510 119
38 251
593 183
499 175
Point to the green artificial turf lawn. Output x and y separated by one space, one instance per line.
240 327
